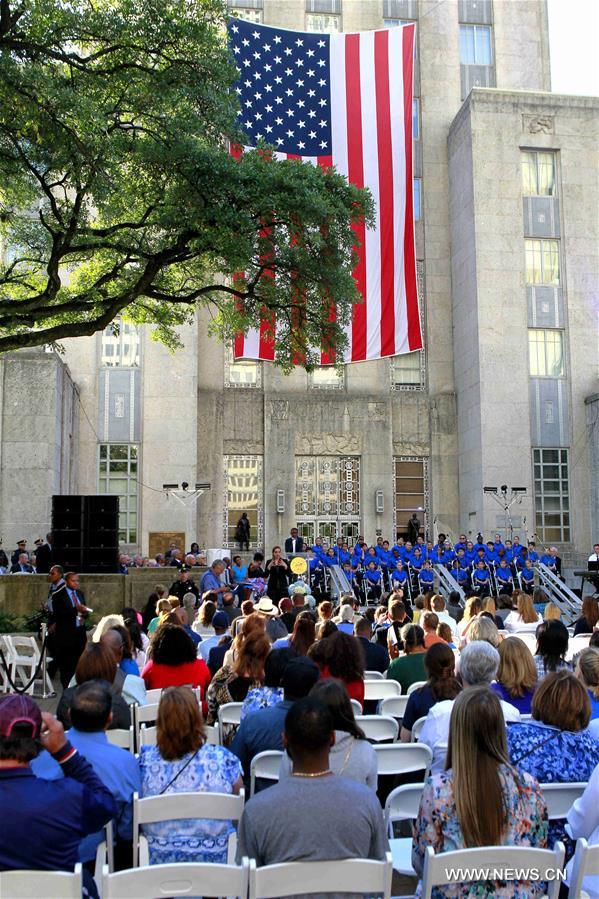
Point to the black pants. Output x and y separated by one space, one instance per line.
67 650
243 543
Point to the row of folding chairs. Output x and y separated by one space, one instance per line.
272 881
22 656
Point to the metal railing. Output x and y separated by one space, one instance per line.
447 582
339 583
559 593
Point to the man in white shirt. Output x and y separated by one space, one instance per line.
594 557
479 662
438 607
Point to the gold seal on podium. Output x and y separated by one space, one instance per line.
298 565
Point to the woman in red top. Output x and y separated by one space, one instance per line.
342 657
173 662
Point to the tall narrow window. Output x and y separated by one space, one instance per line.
407 371
242 372
410 492
538 173
416 118
546 353
417 199
542 261
243 493
120 344
475 45
552 495
117 475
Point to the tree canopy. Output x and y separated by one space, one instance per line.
119 194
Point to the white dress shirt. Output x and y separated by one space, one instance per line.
435 731
514 624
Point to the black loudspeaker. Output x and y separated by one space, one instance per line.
86 533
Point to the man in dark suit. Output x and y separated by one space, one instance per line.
67 628
22 566
294 543
43 556
376 657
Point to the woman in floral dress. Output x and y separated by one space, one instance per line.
182 762
479 800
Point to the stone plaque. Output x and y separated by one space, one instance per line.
160 541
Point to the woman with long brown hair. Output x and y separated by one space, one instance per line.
439 663
232 682
480 799
303 635
589 619
182 762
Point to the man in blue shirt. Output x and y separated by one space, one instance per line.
503 576
426 577
43 822
211 582
490 555
263 730
462 543
118 769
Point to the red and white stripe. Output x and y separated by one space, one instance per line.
371 110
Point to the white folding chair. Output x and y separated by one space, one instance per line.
378 727
4 646
403 758
381 689
373 675
356 707
153 695
23 658
561 797
577 644
415 686
146 736
212 734
586 861
512 859
402 804
266 766
394 706
181 806
184 879
123 737
417 727
104 854
344 876
33 884
145 714
228 714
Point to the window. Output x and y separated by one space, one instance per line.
410 492
417 193
475 45
416 118
393 23
542 261
323 22
552 500
249 15
327 377
407 371
243 493
241 373
538 173
117 475
120 344
327 496
546 352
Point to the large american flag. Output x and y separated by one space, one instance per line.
343 100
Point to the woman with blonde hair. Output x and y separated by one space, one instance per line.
525 618
480 799
203 622
483 628
490 607
233 682
587 672
471 609
182 762
552 612
163 610
517 674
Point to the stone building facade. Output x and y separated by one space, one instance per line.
490 401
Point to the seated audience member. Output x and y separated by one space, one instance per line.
589 619
182 762
149 611
444 631
517 674
216 656
269 611
439 662
286 610
479 662
229 607
219 627
352 826
233 682
583 823
323 630
409 668
478 798
398 618
203 625
587 671
91 714
271 691
301 638
439 608
471 610
345 622
127 663
351 755
490 608
376 657
454 607
44 821
504 606
552 646
254 623
263 730
182 619
524 619
344 660
552 612
483 628
139 641
173 661
419 608
430 623
555 747
97 662
163 608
